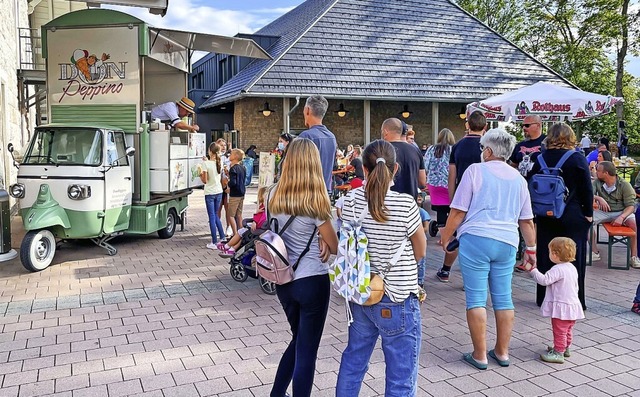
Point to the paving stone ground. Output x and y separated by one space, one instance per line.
163 318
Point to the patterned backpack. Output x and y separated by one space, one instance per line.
350 273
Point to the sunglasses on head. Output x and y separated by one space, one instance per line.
528 125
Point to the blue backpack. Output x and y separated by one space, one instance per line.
547 189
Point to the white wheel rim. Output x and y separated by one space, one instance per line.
170 223
42 249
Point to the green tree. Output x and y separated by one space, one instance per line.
576 38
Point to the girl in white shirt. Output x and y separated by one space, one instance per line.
210 175
393 218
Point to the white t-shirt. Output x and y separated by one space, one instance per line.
495 196
213 185
385 239
585 142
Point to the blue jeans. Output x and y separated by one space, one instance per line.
213 201
305 302
485 260
400 327
637 298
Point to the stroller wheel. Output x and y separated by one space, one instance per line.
266 286
433 228
238 272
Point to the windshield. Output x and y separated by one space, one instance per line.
65 146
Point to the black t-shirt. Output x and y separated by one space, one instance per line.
464 153
410 163
523 154
357 164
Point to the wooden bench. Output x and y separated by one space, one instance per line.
617 234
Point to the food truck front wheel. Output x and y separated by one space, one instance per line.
37 250
172 222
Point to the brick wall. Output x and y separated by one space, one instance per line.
264 131
449 117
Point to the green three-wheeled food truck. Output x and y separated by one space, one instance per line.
98 170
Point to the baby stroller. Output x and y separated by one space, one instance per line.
242 264
438 197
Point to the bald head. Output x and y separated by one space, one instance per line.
532 127
392 130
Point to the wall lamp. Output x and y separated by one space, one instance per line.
463 112
341 111
266 112
405 113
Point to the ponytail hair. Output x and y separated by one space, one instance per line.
379 159
215 149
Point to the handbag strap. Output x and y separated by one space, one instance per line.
395 259
306 249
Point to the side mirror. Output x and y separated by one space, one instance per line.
10 149
128 152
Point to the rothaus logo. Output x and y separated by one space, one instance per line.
86 74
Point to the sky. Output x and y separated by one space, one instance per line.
228 18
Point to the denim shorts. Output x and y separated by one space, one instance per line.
486 263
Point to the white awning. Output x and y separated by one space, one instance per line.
211 43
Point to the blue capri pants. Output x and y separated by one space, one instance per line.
486 262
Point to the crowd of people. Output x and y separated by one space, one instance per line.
478 186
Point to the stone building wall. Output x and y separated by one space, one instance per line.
264 131
13 13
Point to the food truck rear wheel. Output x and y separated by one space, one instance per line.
172 222
37 250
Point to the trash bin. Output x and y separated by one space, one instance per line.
6 252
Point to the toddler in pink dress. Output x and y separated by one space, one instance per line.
561 301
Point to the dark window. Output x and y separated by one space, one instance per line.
223 71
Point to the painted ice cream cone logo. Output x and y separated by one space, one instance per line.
91 69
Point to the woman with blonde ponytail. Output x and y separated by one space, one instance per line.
393 227
301 194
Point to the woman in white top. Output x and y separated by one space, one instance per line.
213 192
491 201
393 218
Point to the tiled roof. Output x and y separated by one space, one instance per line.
385 49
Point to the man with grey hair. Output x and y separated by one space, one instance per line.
314 110
411 175
615 200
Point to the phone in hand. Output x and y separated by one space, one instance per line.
453 245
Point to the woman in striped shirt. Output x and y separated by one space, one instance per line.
392 222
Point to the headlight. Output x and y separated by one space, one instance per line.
17 190
79 192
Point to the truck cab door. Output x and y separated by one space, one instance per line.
118 186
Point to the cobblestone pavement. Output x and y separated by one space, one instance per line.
164 318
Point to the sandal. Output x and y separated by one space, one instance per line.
502 363
468 357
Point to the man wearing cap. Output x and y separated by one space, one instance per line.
173 112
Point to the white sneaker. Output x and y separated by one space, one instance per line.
212 246
595 256
635 262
